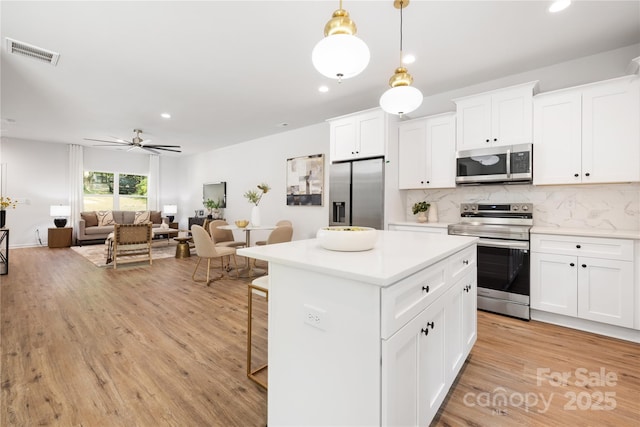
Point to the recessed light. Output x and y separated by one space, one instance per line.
559 5
283 125
409 58
323 89
165 115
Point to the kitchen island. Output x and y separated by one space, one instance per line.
367 338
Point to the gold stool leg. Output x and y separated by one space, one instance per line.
251 373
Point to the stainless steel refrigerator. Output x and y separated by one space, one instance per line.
356 193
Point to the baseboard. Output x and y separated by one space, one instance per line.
626 334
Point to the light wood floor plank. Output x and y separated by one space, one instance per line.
146 346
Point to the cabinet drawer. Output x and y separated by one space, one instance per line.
404 300
462 262
595 247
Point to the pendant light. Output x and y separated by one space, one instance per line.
340 54
402 98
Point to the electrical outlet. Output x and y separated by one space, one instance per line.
315 317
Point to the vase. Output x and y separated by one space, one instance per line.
433 213
422 217
255 216
3 218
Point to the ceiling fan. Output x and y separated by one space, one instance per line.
138 142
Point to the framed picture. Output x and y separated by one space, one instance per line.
305 180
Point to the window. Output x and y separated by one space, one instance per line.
109 191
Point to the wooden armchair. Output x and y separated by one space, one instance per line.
132 243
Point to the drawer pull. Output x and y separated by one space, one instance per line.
426 288
578 246
466 288
466 262
584 265
572 265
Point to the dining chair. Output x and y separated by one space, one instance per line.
223 238
281 234
259 287
206 248
278 224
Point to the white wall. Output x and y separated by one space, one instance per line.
244 166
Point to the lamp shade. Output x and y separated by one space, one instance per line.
59 211
170 209
340 56
401 100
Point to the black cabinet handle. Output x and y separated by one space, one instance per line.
572 265
426 330
467 288
427 182
495 139
584 265
578 246
465 262
426 288
587 174
576 175
421 182
487 140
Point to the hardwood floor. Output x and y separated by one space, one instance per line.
146 346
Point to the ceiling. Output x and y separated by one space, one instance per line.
233 71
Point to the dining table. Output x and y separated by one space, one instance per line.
247 270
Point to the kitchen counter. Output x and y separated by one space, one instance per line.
395 255
587 232
347 343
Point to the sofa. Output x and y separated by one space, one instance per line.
96 225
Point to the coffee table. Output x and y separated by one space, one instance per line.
166 232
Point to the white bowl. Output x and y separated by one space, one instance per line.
347 238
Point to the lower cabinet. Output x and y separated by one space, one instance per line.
421 361
597 286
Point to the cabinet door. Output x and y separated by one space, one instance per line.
441 152
610 132
343 139
557 138
474 123
460 323
414 382
370 134
412 146
554 283
605 291
512 116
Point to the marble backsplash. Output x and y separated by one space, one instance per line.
605 206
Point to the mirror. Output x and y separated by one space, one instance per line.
215 191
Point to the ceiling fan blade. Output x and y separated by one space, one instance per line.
159 146
168 149
110 142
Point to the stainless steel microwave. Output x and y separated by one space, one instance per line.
494 165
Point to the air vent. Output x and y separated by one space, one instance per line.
31 51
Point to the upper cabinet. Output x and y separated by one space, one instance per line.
501 117
589 134
426 152
358 135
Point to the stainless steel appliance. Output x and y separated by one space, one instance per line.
356 193
496 165
503 254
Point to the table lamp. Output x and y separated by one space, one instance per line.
170 211
60 214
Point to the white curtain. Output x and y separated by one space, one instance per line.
153 185
76 192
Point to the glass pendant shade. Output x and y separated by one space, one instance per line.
401 100
340 56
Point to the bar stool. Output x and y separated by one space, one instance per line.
259 286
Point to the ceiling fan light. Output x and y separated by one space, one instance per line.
401 100
340 56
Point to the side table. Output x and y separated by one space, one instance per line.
60 237
183 250
4 251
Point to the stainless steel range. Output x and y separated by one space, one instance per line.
503 254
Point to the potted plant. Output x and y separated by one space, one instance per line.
254 197
5 202
213 206
421 208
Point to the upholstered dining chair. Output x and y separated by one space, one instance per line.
281 234
223 238
278 224
206 249
132 240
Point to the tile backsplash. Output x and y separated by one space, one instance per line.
605 206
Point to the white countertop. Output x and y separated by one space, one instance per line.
421 224
587 232
394 257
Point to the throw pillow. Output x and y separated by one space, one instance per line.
141 217
105 218
90 219
156 217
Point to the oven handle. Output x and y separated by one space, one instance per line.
509 244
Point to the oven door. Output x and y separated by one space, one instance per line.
503 269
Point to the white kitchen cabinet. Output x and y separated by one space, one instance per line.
460 323
585 277
427 152
589 134
500 117
358 135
